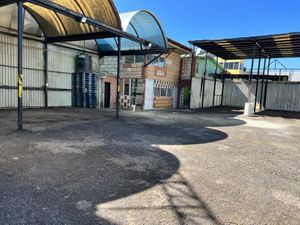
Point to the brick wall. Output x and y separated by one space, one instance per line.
132 70
171 72
113 89
186 68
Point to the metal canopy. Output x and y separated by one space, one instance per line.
142 24
75 20
273 46
71 20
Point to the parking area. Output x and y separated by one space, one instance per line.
73 166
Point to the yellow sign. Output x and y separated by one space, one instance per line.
20 86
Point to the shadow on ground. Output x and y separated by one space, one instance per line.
67 162
283 114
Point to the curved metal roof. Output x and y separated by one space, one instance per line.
142 24
75 20
54 24
9 19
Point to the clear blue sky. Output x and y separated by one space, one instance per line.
202 19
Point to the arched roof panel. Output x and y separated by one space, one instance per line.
8 19
146 25
142 24
55 24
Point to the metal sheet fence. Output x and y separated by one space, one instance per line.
283 96
196 93
61 65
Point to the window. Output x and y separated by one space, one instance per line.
163 92
159 62
134 59
139 59
236 65
126 89
157 92
129 59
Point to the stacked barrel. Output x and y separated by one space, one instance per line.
84 83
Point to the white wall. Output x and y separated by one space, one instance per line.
149 94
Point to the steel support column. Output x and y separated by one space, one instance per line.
204 80
257 80
262 84
20 64
223 84
118 79
215 82
267 82
251 73
46 74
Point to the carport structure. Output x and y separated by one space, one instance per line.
66 20
286 45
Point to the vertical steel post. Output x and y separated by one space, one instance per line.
215 82
204 79
262 84
251 72
267 82
223 84
46 73
194 63
20 64
118 79
257 80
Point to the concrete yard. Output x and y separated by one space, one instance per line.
73 166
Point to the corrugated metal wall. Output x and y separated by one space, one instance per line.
196 96
283 96
236 92
61 65
280 95
33 72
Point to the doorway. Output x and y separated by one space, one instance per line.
107 95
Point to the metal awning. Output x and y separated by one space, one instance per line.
273 46
142 24
75 20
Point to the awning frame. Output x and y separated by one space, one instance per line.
108 31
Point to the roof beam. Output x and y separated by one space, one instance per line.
129 52
81 37
7 2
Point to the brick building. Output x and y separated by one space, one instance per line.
148 82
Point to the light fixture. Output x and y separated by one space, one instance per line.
83 20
